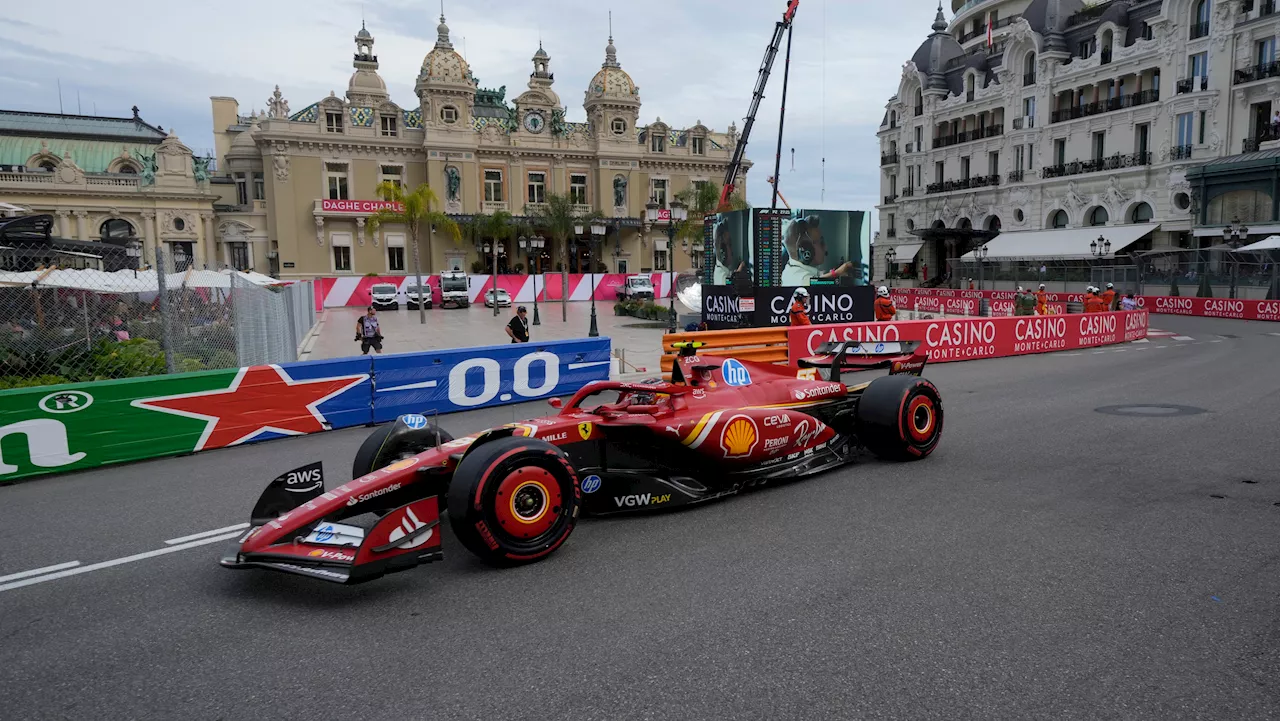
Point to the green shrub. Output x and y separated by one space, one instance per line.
7 382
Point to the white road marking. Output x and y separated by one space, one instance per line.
1121 350
114 562
1099 352
1183 337
38 571
1275 334
203 534
1139 349
1140 340
1216 341
1068 355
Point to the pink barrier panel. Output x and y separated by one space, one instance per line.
1212 307
958 339
353 291
965 302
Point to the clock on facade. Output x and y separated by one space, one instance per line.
534 122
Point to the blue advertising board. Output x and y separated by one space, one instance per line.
464 379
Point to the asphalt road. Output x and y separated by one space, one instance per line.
1049 561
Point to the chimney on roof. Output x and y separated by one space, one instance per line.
135 113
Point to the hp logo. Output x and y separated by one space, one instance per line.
591 484
735 374
415 421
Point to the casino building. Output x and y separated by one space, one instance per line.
1150 123
303 178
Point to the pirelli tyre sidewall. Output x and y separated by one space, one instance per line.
900 417
514 500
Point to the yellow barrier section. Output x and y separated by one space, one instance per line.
763 345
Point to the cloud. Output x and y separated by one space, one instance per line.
692 61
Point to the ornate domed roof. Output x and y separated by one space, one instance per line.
443 63
612 81
243 143
366 82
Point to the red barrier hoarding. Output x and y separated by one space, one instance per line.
957 339
964 302
1212 307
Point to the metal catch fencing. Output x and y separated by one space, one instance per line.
66 322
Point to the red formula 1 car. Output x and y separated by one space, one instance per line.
514 493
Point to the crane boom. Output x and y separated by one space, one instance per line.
771 52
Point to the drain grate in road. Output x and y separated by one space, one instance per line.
1150 410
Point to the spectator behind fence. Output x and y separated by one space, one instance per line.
1109 297
885 309
1128 303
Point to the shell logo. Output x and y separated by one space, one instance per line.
740 437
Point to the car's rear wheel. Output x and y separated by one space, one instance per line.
900 418
513 500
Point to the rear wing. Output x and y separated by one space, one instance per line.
832 359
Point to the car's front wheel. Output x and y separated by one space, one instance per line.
514 500
900 417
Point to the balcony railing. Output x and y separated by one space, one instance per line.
919 110
890 199
968 136
1029 79
892 232
1258 72
976 33
890 159
1180 152
981 181
1199 30
1014 176
1265 134
1192 84
1088 14
908 191
1105 106
1114 162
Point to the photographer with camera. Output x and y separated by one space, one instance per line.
368 332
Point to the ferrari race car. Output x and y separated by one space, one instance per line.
514 493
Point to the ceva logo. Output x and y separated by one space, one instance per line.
735 374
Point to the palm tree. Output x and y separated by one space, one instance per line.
702 199
496 226
557 218
415 215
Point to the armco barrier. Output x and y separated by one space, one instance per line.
85 425
1212 307
353 291
957 339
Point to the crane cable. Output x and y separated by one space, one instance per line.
824 101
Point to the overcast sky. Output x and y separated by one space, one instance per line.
692 59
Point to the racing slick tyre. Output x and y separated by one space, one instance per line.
381 449
900 417
513 500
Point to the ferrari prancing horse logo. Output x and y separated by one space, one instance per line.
584 430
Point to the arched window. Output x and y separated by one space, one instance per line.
1141 213
1107 38
1029 69
1098 216
1058 219
48 165
939 224
1202 11
993 223
964 224
128 169
116 229
919 101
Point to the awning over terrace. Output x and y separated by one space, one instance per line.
1062 243
906 252
1270 243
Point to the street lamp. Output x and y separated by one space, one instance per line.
679 214
532 247
1234 235
1099 247
981 254
890 269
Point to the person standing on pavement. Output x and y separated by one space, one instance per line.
518 328
1109 297
799 311
885 309
369 333
1042 301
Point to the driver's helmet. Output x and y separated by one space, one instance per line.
882 291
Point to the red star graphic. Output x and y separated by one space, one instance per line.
261 398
